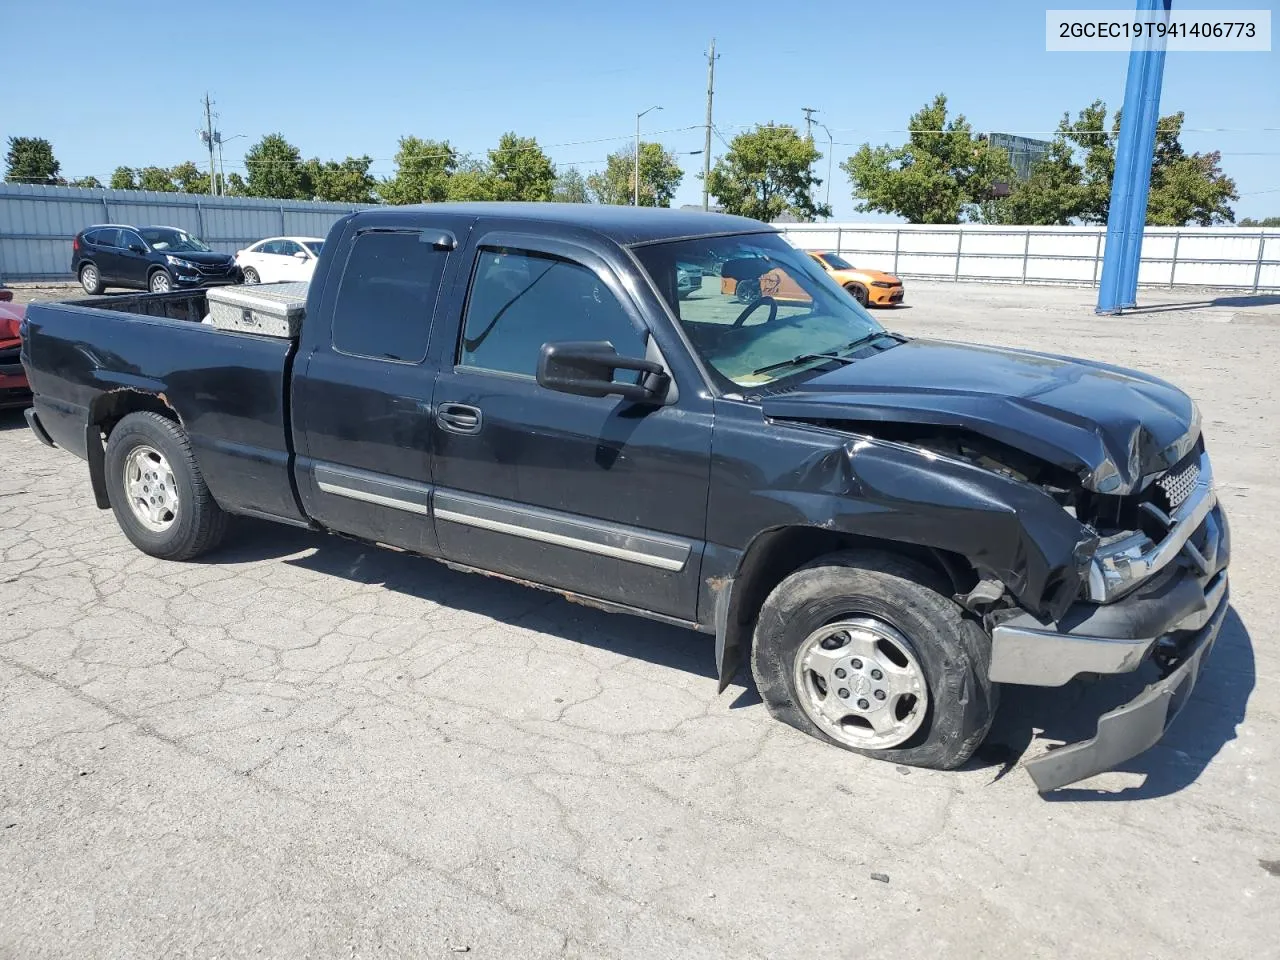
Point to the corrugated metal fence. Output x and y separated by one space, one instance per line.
1238 258
37 223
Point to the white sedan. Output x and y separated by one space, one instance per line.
280 259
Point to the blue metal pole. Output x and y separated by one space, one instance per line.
1131 184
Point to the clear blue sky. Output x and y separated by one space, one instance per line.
109 87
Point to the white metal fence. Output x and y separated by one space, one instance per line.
37 223
1238 258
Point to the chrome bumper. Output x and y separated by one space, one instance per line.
1175 615
1127 731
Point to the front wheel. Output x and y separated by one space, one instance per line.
251 275
860 649
859 293
157 492
160 282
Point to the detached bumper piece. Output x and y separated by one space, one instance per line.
1127 731
1172 619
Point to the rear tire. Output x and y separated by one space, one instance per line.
927 642
251 275
91 279
146 451
160 281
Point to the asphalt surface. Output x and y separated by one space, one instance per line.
304 747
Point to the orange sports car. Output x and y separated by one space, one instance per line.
871 288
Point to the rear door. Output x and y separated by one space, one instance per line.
104 251
362 396
596 495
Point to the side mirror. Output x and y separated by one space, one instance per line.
137 248
300 255
587 368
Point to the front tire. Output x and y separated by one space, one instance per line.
251 275
91 279
160 282
157 492
859 293
863 649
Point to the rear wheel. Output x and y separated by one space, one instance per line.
160 282
157 492
863 650
251 275
90 279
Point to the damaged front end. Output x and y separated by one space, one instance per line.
1145 583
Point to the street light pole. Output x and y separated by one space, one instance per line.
635 196
831 148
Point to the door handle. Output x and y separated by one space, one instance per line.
459 418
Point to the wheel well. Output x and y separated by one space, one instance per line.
852 284
108 409
105 412
776 554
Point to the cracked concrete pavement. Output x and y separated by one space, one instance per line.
305 747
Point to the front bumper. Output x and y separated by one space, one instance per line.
1173 619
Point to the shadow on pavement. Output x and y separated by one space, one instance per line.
1069 714
492 597
12 419
1237 300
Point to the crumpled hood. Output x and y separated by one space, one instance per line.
1112 427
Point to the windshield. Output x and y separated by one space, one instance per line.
763 310
836 262
169 240
315 246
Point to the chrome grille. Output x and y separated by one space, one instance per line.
1177 485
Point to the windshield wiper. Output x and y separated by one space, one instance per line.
802 358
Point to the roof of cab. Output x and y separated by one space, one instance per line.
629 226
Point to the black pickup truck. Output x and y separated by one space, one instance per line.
888 528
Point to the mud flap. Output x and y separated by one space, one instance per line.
728 649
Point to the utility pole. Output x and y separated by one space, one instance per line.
808 121
207 135
706 148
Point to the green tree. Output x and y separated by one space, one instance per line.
1054 193
31 160
571 187
275 169
423 168
124 178
521 170
472 180
940 175
190 178
236 187
660 176
768 171
1264 222
157 179
345 181
87 182
1186 187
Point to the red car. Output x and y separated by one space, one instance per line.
14 391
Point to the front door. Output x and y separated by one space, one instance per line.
595 495
363 400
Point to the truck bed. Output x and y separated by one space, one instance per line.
218 384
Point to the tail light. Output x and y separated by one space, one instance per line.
10 328
75 244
